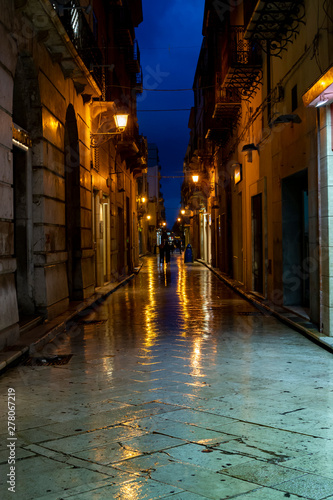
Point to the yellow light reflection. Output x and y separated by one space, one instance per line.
182 295
196 357
131 491
150 309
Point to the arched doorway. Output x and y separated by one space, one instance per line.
73 212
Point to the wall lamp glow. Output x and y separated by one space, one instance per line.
121 124
121 121
237 172
195 178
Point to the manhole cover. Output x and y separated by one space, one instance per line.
48 360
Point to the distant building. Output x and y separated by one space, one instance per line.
156 202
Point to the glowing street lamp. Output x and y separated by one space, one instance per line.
179 219
148 217
121 121
182 212
195 178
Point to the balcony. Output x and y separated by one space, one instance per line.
124 30
71 45
133 58
227 102
275 22
80 34
138 163
241 63
218 132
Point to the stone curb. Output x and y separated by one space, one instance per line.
39 336
313 334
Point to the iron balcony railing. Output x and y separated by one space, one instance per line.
241 62
241 52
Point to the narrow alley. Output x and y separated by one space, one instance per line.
174 388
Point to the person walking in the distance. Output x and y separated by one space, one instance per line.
162 248
167 252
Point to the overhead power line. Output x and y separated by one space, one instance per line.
162 90
147 110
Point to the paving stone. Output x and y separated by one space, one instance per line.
201 481
179 430
143 489
319 463
260 473
309 486
45 476
208 458
88 440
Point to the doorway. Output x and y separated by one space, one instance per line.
121 246
128 235
73 211
295 240
238 238
23 231
257 244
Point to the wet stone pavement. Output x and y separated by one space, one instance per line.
177 389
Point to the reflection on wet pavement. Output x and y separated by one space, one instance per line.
173 392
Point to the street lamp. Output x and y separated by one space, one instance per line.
179 219
121 121
148 217
182 212
195 178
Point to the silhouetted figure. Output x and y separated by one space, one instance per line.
162 248
167 250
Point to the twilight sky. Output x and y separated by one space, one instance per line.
169 40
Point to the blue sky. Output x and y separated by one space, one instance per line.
169 40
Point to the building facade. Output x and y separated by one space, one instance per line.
156 210
261 142
68 220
